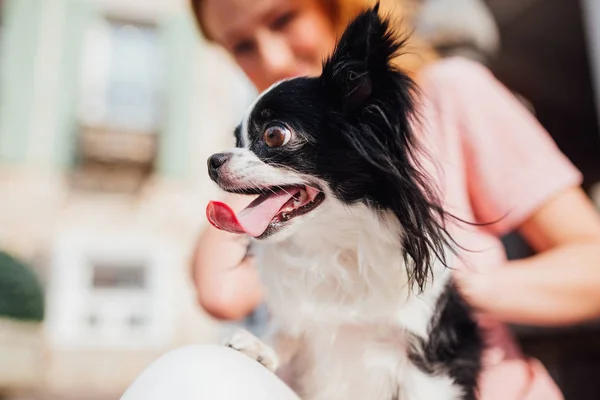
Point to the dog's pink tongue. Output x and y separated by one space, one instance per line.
253 219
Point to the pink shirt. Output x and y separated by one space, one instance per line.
493 161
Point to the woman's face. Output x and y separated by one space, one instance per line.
271 39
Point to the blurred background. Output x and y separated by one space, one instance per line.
108 111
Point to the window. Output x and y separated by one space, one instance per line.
121 77
125 284
118 277
111 291
120 105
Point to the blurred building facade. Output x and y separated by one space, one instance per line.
108 111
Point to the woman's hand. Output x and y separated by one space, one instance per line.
558 286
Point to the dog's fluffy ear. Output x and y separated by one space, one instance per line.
361 57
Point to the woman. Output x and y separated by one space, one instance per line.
502 163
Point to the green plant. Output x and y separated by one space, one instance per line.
21 295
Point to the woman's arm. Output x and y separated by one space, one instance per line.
225 277
558 286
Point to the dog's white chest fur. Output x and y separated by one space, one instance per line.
366 362
345 295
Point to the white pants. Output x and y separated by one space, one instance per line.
207 372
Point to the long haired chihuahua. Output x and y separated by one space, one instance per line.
349 234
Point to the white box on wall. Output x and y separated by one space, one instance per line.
110 291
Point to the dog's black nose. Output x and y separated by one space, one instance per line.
215 162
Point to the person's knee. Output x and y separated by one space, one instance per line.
184 373
206 372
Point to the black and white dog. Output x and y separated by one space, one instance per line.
351 244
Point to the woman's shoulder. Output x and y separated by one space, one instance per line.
465 86
453 70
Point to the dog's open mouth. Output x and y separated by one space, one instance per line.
269 211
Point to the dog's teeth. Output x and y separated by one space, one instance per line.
299 198
302 198
285 216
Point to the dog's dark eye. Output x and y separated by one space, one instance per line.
277 136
